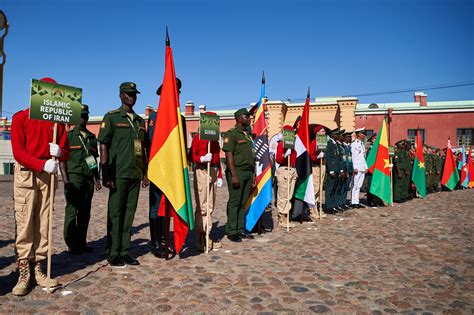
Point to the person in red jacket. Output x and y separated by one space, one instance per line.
319 170
33 151
283 173
200 157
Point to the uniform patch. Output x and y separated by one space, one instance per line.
103 125
152 122
226 140
122 125
241 141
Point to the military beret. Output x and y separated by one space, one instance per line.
360 130
333 132
287 127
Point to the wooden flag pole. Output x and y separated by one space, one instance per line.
320 189
167 227
51 206
288 194
207 196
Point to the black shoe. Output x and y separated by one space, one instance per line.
246 236
234 238
345 207
87 249
74 251
339 209
129 260
115 261
360 206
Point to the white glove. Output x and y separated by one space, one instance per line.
206 158
287 152
51 166
321 155
219 182
54 150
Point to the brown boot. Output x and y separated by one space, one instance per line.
23 285
41 279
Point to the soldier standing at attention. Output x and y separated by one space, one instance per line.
346 144
80 175
359 165
33 151
399 165
122 140
341 152
333 170
239 154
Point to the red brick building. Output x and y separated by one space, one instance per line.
437 121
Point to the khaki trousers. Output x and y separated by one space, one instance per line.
200 194
317 171
284 198
32 196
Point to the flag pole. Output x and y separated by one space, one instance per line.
51 206
207 196
167 227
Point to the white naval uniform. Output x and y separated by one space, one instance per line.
359 163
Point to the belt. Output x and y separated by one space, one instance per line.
204 166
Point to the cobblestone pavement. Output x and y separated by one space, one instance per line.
413 258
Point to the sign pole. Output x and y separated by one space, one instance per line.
51 206
207 197
320 189
288 194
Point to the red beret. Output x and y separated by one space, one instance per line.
50 80
317 128
287 127
210 113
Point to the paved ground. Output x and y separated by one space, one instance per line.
413 258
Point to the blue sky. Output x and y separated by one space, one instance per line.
221 47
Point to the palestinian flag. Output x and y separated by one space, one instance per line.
450 176
381 186
167 167
304 185
418 176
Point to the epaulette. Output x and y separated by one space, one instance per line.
231 129
114 111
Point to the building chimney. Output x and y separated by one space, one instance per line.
420 98
148 110
189 108
202 108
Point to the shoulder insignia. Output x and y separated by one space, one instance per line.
103 125
114 111
226 139
231 129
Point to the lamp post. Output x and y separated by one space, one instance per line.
3 27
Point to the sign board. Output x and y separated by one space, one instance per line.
55 102
321 142
289 137
391 150
209 127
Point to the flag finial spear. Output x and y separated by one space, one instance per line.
167 37
307 95
263 77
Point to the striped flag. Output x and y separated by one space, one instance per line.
463 166
261 195
380 185
167 167
450 174
304 189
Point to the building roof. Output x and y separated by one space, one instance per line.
411 107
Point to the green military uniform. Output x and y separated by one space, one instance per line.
437 163
428 170
341 153
80 189
347 158
408 167
398 175
126 140
238 141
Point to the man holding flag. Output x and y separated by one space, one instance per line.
167 166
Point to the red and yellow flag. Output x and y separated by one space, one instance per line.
167 167
381 177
